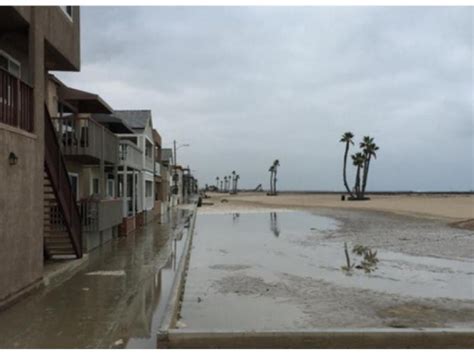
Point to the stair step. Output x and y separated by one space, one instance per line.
53 253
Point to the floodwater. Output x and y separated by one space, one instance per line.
280 270
116 301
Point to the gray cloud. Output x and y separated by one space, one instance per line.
246 85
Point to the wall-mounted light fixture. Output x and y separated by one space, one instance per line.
12 158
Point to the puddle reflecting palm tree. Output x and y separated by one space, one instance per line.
274 226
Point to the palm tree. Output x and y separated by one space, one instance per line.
271 170
233 179
370 149
222 182
225 183
217 182
237 177
346 138
276 164
358 160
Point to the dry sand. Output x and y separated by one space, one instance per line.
452 208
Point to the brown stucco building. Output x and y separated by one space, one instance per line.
33 40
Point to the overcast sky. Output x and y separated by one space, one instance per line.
246 85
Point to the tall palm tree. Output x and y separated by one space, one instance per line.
276 164
358 160
217 182
237 177
271 170
222 183
225 183
369 149
346 138
232 179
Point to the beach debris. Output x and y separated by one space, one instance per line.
85 289
369 259
224 200
118 342
180 324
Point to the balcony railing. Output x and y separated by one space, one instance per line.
99 215
82 136
16 102
130 155
149 163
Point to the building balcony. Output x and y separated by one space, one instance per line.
99 215
130 155
149 164
16 102
84 140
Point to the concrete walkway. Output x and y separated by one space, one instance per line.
115 301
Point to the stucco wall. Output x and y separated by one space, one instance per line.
21 185
21 189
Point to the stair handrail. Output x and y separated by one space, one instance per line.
62 188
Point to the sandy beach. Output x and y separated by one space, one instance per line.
274 255
451 208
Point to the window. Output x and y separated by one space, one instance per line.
110 188
148 149
9 64
148 188
74 179
13 67
95 186
67 10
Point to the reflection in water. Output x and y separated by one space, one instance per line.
235 217
101 311
274 226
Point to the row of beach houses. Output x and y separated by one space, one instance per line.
74 172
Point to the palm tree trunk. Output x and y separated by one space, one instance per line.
344 171
357 183
366 175
275 182
271 182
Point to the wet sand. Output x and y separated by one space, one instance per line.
453 208
422 255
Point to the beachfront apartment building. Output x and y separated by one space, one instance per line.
91 156
166 164
140 121
157 172
33 41
137 168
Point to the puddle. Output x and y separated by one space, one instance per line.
117 301
107 273
268 259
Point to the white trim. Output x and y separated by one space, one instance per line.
64 11
91 186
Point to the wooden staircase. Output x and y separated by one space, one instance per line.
56 237
62 222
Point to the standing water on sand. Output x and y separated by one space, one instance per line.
283 270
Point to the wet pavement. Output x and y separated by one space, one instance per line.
282 270
116 301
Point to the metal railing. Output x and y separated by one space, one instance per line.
84 136
16 102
